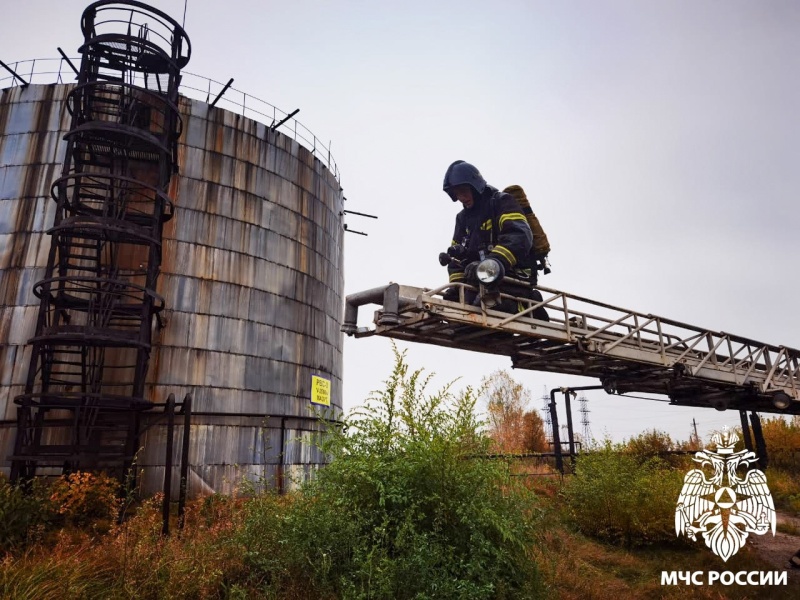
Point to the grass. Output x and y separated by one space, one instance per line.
208 561
788 528
576 567
403 511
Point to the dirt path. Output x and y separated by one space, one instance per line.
778 550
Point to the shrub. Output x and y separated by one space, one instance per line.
655 443
782 438
620 498
649 443
785 489
22 514
85 497
405 509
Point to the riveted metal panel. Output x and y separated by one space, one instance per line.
252 280
32 123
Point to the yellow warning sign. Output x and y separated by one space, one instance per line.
320 391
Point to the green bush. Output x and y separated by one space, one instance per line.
405 509
624 499
22 514
785 488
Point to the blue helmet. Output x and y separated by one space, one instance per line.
460 173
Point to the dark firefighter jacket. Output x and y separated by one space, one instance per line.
495 226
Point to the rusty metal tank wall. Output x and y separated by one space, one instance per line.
251 275
33 122
252 280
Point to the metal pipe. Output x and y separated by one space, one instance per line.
17 467
748 440
186 408
556 437
360 214
579 388
225 89
570 433
761 444
286 118
281 458
348 230
389 295
170 410
69 62
10 70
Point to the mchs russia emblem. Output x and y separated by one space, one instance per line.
730 503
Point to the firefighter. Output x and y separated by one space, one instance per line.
490 225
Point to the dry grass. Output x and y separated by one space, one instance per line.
579 567
207 560
132 560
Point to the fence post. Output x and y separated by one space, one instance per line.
170 410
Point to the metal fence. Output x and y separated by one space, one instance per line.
59 70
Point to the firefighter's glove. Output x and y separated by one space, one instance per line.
470 272
457 251
444 259
450 294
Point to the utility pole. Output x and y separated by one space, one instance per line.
696 437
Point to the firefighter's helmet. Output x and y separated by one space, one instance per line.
463 173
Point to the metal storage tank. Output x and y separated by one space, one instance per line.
253 284
33 122
251 275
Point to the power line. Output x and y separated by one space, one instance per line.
643 398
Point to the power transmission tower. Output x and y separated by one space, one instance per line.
584 410
548 421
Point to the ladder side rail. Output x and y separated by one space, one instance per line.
726 362
572 316
754 362
795 377
658 337
569 316
573 333
635 331
703 364
631 354
775 363
781 371
790 372
532 306
711 355
648 339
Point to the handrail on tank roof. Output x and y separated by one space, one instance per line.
197 87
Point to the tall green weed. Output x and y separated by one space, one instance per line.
23 514
405 509
621 498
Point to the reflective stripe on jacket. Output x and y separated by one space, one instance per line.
494 225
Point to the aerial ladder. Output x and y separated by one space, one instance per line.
628 351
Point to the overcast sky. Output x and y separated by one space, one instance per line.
658 143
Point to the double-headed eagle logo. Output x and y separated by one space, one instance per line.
726 507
